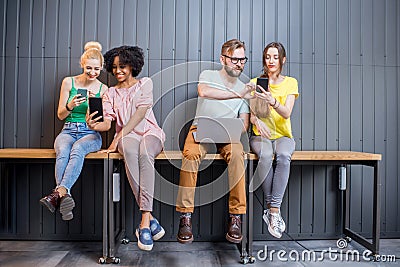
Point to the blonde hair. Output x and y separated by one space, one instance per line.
92 51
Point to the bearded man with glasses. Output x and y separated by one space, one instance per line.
221 95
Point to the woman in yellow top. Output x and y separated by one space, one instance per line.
270 116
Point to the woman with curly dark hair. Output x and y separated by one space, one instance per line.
138 136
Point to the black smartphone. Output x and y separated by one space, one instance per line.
263 82
96 104
83 92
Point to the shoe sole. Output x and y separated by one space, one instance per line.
159 235
273 233
47 205
142 246
233 240
66 206
185 241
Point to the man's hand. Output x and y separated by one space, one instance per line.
248 91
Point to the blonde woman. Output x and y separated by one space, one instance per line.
76 140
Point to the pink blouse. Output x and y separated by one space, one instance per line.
121 103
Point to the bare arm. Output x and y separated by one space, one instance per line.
136 118
207 91
62 111
286 110
262 128
94 124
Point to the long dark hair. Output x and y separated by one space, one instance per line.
282 55
260 107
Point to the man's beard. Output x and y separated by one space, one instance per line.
233 72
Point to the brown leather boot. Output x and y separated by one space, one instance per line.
234 234
51 201
185 235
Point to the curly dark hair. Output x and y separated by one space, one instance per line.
132 56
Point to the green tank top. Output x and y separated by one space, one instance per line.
78 114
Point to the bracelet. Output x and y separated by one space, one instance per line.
66 106
279 104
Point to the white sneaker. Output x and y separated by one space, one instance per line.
282 225
274 222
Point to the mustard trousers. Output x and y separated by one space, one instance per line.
193 154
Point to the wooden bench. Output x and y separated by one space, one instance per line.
336 158
308 156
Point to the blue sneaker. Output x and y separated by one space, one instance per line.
156 229
145 241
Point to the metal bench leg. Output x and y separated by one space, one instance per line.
374 245
106 238
377 210
108 215
250 213
247 225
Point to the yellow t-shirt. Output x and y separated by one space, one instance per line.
278 125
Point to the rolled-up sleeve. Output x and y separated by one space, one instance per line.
146 97
108 109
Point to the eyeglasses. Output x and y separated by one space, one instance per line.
235 60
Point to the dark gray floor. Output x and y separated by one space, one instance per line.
54 253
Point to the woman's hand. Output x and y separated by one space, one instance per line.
112 148
76 101
91 94
91 122
262 129
265 95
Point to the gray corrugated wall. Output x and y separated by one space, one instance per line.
345 55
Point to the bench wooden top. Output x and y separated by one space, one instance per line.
39 153
48 153
297 156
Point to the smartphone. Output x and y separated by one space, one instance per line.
263 82
83 92
96 104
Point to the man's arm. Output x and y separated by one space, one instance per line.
207 91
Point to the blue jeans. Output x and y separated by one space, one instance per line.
74 142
